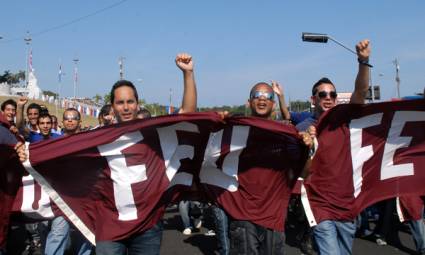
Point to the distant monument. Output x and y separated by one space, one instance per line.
32 91
4 89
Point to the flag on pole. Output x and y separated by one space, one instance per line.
30 61
60 73
75 75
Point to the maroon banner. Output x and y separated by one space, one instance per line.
11 171
31 202
118 179
250 168
410 208
366 153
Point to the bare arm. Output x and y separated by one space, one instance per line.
20 114
185 63
282 105
362 79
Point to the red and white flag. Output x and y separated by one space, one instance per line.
366 153
116 181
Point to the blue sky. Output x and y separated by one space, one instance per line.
234 45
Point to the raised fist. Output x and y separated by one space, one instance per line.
363 50
184 62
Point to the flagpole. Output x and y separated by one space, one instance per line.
59 86
169 107
75 77
28 43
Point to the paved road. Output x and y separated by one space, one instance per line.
175 243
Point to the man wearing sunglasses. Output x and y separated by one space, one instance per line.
261 100
336 236
59 234
71 121
245 236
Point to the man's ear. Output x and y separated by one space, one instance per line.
313 100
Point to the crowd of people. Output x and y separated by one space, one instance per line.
233 236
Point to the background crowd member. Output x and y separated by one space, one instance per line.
106 115
143 113
71 121
281 97
55 126
59 235
39 128
186 211
336 236
44 125
36 230
8 108
221 224
33 111
125 103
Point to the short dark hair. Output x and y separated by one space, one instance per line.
44 115
122 83
44 109
320 82
8 102
72 109
256 85
145 112
34 106
105 110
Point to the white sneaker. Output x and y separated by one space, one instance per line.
381 242
210 233
187 231
197 223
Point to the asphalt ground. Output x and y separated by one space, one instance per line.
174 242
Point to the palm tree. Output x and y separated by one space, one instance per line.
97 98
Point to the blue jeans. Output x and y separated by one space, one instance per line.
184 213
58 236
221 223
250 238
334 237
417 228
83 246
148 243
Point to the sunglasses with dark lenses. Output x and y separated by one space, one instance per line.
257 94
71 118
324 94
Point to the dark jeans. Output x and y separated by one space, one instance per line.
250 238
147 243
221 229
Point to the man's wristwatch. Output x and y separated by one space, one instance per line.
364 62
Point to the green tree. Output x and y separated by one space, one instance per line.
97 98
50 93
12 78
300 106
107 98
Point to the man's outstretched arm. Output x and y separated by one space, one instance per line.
362 79
185 63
